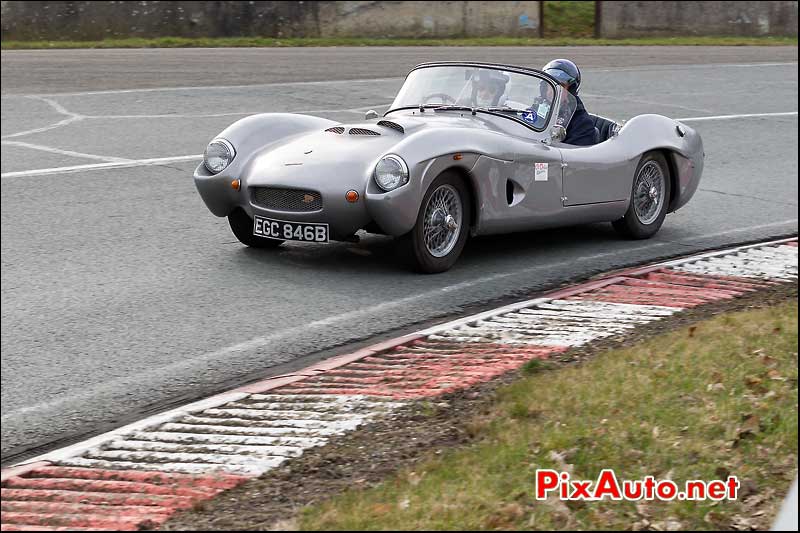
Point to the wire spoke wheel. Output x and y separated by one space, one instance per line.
444 216
649 192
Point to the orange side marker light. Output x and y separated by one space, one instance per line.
351 196
236 184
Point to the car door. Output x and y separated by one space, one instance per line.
593 174
590 174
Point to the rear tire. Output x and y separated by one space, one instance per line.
242 227
445 218
650 197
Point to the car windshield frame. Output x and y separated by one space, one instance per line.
491 110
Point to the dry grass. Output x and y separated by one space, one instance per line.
714 399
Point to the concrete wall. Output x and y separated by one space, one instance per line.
429 19
92 20
745 18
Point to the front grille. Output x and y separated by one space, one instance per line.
281 199
362 131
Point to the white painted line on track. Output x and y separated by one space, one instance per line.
250 434
76 117
58 108
236 113
646 102
190 362
43 129
707 236
643 68
161 160
193 361
101 166
656 68
216 87
70 153
746 115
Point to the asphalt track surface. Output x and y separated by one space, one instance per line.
122 295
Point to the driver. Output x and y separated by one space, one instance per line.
489 88
580 130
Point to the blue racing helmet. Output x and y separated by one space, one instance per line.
566 72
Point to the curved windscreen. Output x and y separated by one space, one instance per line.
569 104
528 97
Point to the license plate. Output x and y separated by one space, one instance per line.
289 231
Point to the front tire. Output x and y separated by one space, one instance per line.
650 198
443 222
242 227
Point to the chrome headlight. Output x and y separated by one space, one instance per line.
391 172
218 155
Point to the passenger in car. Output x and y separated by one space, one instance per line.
580 130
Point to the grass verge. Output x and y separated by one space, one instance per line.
573 18
703 402
233 42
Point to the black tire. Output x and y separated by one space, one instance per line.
242 226
632 226
413 243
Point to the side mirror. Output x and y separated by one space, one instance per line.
371 114
558 133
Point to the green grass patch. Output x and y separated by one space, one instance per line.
703 402
234 42
573 19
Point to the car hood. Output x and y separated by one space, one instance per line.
349 151
346 153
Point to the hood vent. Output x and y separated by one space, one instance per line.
393 125
336 129
362 131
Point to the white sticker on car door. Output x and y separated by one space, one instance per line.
540 172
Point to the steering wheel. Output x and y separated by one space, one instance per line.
446 98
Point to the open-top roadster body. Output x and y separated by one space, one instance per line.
444 163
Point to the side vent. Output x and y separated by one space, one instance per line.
361 131
393 125
336 129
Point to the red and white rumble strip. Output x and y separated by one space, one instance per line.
137 476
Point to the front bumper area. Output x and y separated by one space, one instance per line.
343 218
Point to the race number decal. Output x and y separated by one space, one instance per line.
540 172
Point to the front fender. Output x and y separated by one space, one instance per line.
249 136
428 154
396 211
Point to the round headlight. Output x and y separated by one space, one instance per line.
218 155
391 172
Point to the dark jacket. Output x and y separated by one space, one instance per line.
580 130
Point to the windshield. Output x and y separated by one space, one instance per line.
569 104
524 96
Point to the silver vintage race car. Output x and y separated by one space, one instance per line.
465 149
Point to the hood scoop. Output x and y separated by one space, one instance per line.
362 131
353 131
393 125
